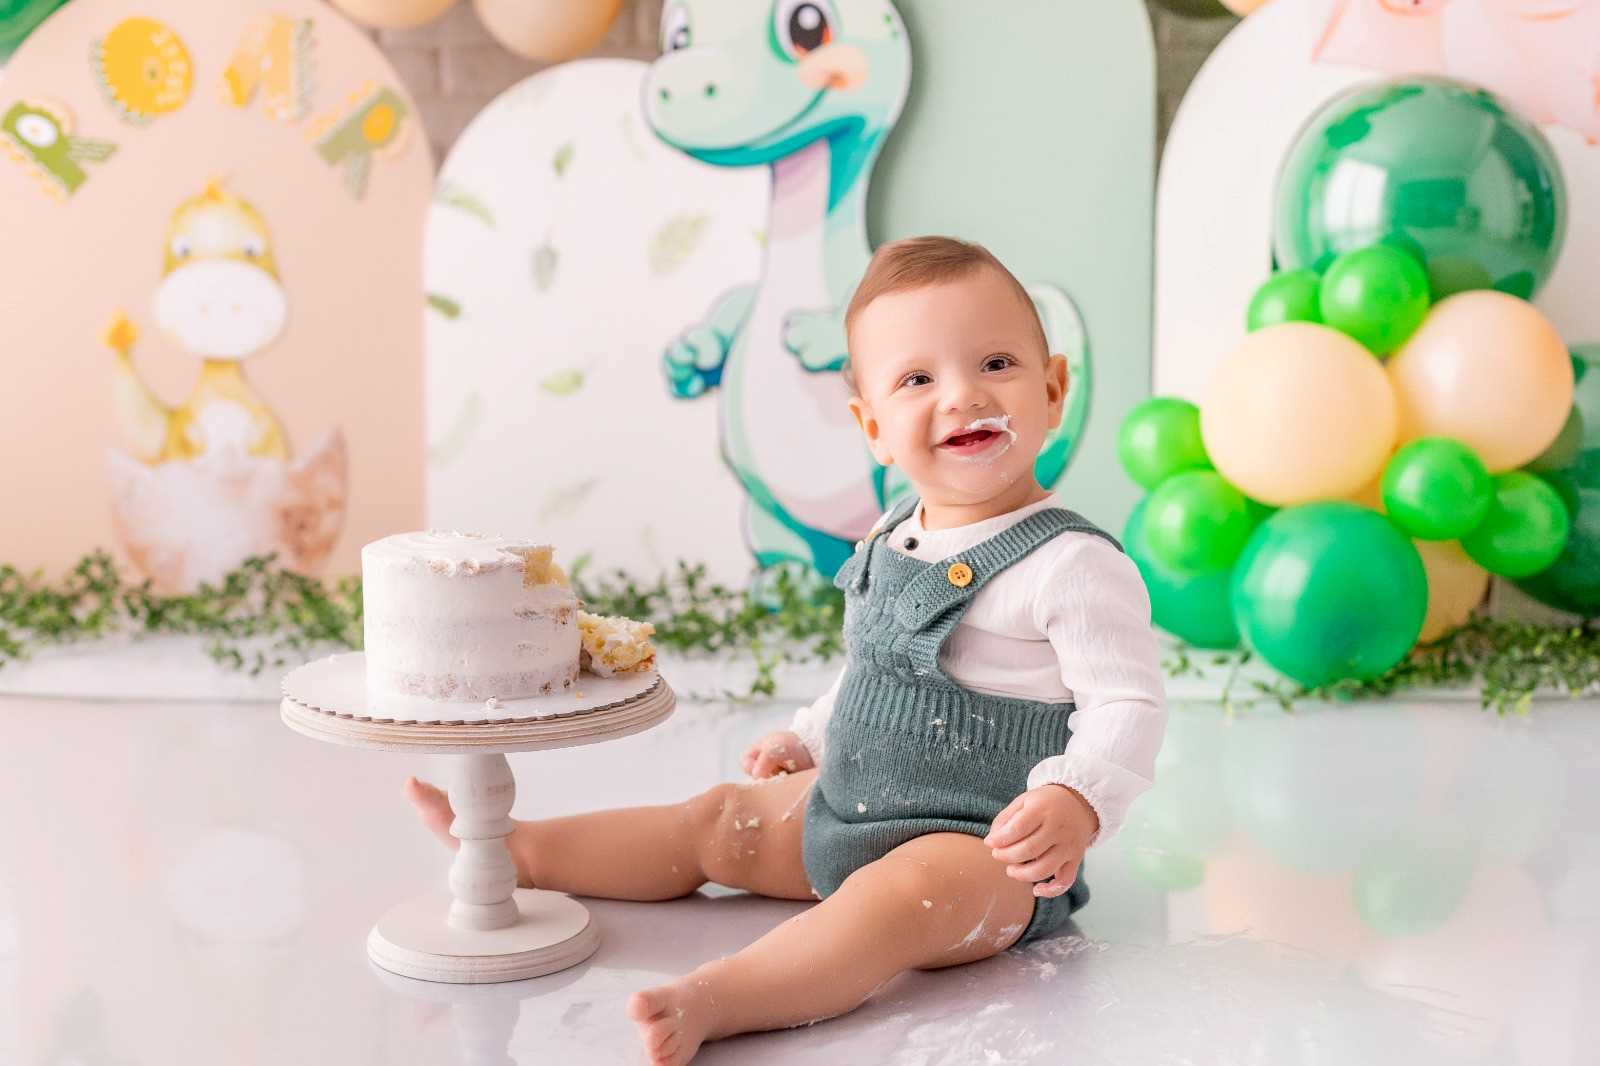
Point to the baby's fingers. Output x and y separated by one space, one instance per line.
1019 826
1039 869
1027 849
1052 889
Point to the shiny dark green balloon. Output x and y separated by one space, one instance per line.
1329 591
1427 163
1160 438
1572 582
1197 523
1526 529
1436 488
1194 608
1377 295
1287 296
18 18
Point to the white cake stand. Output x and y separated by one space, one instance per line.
485 929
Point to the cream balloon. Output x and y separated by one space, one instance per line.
1456 585
393 14
1489 370
1298 412
548 30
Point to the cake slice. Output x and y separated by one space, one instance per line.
614 645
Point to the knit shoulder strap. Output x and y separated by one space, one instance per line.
944 585
852 576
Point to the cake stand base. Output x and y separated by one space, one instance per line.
552 932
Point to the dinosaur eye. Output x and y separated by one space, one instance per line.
675 32
181 247
253 247
802 26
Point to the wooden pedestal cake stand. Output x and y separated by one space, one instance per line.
485 929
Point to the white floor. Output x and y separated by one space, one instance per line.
189 883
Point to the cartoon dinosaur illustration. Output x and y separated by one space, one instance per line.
209 482
811 89
221 299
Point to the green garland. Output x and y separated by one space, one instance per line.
284 616
1510 661
692 613
259 599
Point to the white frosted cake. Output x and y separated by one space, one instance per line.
461 616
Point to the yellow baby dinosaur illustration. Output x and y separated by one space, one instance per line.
219 298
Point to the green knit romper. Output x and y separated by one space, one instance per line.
908 751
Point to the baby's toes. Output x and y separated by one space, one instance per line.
433 808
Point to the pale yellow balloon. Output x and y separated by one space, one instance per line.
394 14
1298 412
548 30
1456 586
1489 370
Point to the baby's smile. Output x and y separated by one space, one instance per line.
982 440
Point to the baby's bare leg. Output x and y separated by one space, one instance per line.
744 836
935 901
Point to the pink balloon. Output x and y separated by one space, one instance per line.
393 14
1489 370
548 30
1298 412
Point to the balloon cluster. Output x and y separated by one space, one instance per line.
1374 449
547 30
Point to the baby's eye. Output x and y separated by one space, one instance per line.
998 362
916 377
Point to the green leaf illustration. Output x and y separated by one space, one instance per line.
460 431
564 383
675 242
563 159
444 305
454 196
565 499
545 258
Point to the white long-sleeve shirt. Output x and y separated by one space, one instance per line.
1069 623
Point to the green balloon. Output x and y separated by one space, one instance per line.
1159 438
1572 582
1563 451
1198 523
18 18
1428 163
1194 608
1377 295
1436 488
1329 591
1526 528
1287 296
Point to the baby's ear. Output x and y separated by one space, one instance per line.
1057 379
869 429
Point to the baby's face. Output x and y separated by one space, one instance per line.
955 386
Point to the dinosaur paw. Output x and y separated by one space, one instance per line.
693 362
817 339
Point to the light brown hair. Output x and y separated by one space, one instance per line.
915 262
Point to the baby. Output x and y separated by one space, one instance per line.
1000 707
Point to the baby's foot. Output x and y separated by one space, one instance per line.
433 807
674 1019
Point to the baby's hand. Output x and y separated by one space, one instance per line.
780 752
1043 834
